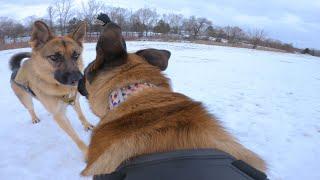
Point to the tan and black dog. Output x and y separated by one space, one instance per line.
140 114
51 75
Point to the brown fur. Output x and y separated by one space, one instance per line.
37 73
153 120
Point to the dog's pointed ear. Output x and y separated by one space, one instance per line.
79 33
111 43
40 34
111 50
156 57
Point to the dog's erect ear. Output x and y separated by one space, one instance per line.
111 43
156 57
40 34
111 50
79 33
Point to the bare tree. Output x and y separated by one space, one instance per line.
256 37
63 8
272 43
10 30
196 26
147 18
234 34
162 27
17 30
143 21
217 32
136 25
51 13
175 21
28 22
119 16
5 23
90 11
73 23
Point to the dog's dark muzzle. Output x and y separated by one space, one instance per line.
68 78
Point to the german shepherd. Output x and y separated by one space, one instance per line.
140 114
51 75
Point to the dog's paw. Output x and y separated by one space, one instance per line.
35 120
88 127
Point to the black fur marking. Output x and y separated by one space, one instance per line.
14 74
15 61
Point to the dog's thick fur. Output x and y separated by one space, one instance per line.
153 120
39 72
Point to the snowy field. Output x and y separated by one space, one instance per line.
270 101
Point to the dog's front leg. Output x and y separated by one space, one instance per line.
65 124
26 99
87 126
58 110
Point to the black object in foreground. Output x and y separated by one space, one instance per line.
204 164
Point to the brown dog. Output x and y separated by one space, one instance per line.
51 75
139 112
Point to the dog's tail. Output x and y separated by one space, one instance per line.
15 61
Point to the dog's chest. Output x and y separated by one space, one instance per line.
59 92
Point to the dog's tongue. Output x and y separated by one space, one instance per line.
104 18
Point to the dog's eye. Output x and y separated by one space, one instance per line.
54 58
75 56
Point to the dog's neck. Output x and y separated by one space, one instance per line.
120 95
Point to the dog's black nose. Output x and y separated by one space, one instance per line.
68 78
74 77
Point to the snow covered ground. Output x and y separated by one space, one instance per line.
270 101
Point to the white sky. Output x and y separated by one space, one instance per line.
296 21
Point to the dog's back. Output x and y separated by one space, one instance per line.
162 121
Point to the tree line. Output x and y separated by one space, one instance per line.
62 16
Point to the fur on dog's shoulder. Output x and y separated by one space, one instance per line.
149 124
157 121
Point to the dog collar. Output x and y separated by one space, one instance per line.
118 96
69 99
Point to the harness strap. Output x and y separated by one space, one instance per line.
68 99
26 88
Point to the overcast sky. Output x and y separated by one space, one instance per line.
296 21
